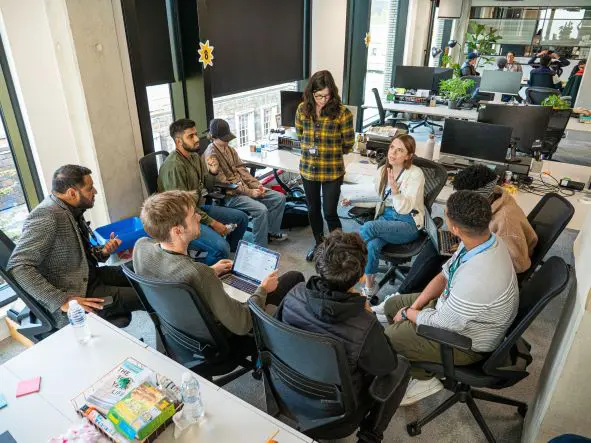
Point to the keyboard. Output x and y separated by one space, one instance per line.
448 243
239 283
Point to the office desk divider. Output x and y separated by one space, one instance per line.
109 389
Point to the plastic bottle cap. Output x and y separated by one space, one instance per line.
187 376
73 303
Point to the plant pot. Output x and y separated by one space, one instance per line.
452 104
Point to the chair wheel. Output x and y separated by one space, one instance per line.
257 375
522 410
411 130
413 429
374 300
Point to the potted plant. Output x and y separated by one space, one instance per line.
456 89
556 102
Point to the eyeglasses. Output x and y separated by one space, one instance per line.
322 97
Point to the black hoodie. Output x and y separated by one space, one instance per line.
313 307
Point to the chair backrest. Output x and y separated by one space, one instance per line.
510 359
40 323
149 166
188 329
541 79
308 373
555 130
535 95
381 111
548 218
476 79
435 179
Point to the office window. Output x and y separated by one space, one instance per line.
161 116
230 107
269 122
245 132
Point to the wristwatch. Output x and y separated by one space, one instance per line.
403 313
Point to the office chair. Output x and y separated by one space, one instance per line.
548 218
39 323
189 332
504 367
541 79
535 95
385 120
555 131
308 382
149 166
426 121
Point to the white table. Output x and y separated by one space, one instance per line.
437 111
575 125
67 368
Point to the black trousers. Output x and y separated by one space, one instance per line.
424 269
110 281
329 201
286 282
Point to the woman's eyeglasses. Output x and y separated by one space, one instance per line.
322 97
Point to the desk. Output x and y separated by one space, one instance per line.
67 368
438 111
575 125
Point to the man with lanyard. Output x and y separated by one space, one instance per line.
475 295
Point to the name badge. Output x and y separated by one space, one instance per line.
313 150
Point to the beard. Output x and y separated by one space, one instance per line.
85 203
190 148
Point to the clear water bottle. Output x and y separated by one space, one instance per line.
77 318
193 406
430 148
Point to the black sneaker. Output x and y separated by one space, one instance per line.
277 237
310 254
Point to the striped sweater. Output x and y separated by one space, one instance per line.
481 304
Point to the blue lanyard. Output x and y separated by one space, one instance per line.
463 256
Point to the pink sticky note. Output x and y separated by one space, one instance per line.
30 386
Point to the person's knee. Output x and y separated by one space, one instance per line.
294 277
241 218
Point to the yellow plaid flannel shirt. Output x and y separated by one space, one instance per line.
331 138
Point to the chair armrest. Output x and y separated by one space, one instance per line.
382 388
445 337
253 165
216 195
230 186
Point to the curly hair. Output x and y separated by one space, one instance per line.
319 81
470 211
341 260
473 177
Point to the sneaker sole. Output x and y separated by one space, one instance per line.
412 400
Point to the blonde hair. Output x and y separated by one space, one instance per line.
409 143
162 212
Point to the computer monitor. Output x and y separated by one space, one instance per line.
500 82
440 74
290 101
413 77
473 140
529 123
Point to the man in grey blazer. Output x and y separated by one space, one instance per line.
54 259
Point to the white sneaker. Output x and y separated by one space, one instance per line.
419 389
379 309
369 292
383 319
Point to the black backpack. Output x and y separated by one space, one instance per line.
295 215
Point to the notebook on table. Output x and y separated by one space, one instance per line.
251 265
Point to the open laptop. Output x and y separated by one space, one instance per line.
251 265
444 241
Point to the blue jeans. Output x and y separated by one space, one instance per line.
266 213
378 233
216 246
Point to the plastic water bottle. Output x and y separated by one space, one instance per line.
193 406
77 318
430 148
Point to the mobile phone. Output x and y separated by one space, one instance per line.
108 301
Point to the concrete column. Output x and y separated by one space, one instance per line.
417 28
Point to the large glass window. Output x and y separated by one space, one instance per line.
161 116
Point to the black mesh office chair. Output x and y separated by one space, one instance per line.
503 368
542 79
385 119
38 324
548 218
189 332
308 383
535 95
149 166
555 131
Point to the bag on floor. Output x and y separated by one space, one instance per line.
295 215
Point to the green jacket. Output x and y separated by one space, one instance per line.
186 174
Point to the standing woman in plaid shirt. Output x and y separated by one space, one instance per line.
325 129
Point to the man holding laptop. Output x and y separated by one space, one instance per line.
170 219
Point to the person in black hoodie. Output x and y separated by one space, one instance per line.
329 304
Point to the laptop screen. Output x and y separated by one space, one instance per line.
431 229
254 262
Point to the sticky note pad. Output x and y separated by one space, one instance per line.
30 386
3 402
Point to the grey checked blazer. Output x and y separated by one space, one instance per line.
49 261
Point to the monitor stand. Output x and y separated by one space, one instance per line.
498 98
513 158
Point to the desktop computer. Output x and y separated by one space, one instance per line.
440 74
529 123
420 77
500 82
465 141
290 101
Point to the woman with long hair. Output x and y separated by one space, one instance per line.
325 129
401 213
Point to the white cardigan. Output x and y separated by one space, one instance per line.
411 195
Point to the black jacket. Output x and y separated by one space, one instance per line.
313 307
